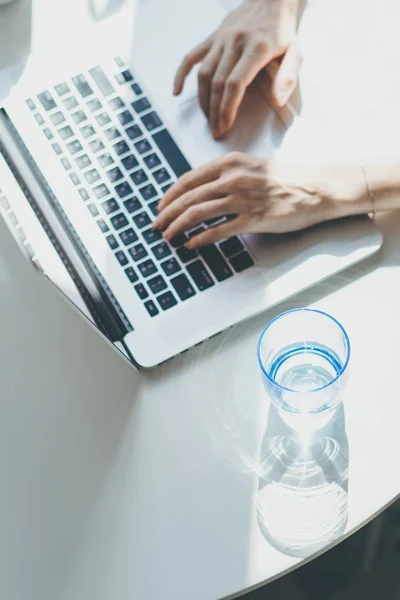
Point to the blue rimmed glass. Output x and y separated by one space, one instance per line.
303 356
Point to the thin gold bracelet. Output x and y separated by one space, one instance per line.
372 212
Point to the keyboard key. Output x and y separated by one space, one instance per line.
178 240
101 190
148 192
123 189
48 133
93 210
116 103
84 194
153 206
102 81
57 148
66 164
62 88
110 206
131 274
105 160
96 146
125 117
119 221
132 205
134 132
94 105
151 121
82 85
112 133
138 252
75 179
170 266
125 76
136 89
200 275
167 300
152 161
216 262
141 105
112 242
157 284
83 161
161 250
147 268
186 255
70 103
171 152
56 118
183 287
130 162
241 262
161 175
88 131
47 101
121 147
79 116
92 176
74 147
103 119
196 231
122 258
139 177
128 237
143 146
65 132
141 291
141 220
103 226
120 63
231 247
114 175
31 104
151 235
210 222
166 187
151 308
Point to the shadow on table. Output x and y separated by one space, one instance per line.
16 35
303 486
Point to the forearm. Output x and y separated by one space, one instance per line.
383 179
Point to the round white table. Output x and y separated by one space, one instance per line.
121 485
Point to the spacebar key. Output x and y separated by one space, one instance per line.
216 263
171 152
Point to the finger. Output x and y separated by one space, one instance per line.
195 215
229 59
192 179
217 233
285 80
191 59
250 64
204 193
206 73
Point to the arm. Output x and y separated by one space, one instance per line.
247 41
274 197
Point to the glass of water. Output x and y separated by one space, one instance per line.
303 356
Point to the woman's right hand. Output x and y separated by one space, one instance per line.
248 40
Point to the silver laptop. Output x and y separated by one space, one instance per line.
86 156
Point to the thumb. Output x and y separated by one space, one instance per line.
285 80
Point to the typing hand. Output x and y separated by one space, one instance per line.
247 40
262 196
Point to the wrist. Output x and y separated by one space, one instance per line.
343 191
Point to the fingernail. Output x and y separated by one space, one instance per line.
281 97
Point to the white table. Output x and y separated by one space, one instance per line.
108 494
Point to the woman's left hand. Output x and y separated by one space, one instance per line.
263 197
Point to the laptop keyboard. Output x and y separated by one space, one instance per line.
122 159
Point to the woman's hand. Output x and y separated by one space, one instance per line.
262 196
247 40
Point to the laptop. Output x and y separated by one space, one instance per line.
86 155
